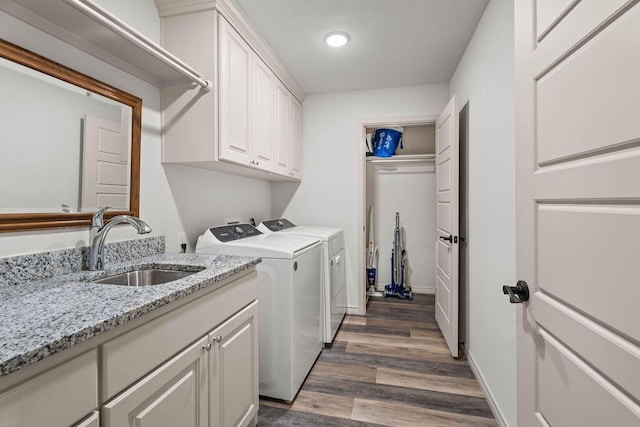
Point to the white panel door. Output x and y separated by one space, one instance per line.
295 137
281 144
105 165
578 212
234 99
263 124
447 225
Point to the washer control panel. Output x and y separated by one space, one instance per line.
228 233
278 224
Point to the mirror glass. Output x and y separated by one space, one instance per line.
69 143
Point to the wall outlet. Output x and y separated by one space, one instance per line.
182 242
233 220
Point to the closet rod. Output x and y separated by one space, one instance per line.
130 34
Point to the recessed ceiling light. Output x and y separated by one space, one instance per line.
336 38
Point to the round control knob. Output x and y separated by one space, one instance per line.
238 230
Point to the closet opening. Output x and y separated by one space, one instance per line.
404 183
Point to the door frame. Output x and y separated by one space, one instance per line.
361 184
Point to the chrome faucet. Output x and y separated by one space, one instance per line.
99 231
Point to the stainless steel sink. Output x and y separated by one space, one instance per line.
145 277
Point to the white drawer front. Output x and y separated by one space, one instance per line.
59 397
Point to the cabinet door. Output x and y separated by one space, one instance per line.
295 137
281 144
92 420
175 394
234 370
262 118
234 99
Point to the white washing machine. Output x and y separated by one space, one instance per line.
289 297
334 300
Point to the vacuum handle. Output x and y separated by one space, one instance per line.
448 239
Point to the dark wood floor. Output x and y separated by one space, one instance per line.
388 368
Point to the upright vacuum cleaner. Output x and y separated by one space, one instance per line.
397 287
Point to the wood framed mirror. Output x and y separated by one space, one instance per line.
70 143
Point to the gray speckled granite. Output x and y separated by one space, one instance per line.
24 268
44 317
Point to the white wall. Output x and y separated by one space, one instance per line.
331 150
484 78
168 213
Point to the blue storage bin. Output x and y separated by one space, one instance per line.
385 142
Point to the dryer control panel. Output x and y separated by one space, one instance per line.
278 224
228 233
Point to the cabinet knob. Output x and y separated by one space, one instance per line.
206 346
217 338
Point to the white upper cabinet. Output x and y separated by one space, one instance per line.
262 119
281 145
295 137
247 124
234 85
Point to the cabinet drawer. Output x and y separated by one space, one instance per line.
59 397
132 355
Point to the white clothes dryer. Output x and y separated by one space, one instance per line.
289 298
334 300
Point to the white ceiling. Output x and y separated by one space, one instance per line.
393 42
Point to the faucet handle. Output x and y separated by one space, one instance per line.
98 217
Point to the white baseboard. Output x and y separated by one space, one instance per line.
483 385
356 311
421 290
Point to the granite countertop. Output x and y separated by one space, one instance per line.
44 317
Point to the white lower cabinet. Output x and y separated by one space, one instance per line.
175 394
212 382
193 364
233 372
